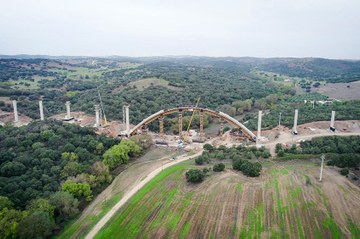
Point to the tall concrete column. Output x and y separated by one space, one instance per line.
16 116
161 126
97 116
221 127
295 122
332 122
180 122
259 125
68 116
41 110
202 124
127 123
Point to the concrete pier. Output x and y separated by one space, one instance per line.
97 116
41 110
16 116
259 125
295 122
68 115
332 122
127 120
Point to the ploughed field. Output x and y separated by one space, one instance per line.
286 201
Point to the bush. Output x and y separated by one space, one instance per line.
344 171
219 167
280 153
199 160
195 176
248 168
205 170
208 147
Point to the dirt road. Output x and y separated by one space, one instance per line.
132 192
289 139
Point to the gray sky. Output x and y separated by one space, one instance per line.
260 28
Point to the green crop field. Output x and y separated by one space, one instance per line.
281 203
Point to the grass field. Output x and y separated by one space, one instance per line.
286 201
147 82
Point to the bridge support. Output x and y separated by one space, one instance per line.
180 122
202 134
97 116
127 120
332 127
161 126
221 127
16 116
259 127
68 115
295 122
41 110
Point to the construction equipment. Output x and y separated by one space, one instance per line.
102 107
186 138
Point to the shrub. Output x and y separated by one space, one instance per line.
208 147
199 160
219 167
195 176
344 171
280 153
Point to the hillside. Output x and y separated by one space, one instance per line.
286 201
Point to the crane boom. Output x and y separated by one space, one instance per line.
191 118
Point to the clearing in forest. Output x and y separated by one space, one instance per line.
147 82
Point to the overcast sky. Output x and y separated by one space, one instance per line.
259 28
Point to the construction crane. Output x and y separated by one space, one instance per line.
191 118
102 107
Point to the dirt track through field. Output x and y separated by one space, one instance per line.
132 192
281 203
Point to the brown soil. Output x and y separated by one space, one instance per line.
341 91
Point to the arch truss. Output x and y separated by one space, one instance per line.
222 116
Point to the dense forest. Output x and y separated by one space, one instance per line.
49 171
222 82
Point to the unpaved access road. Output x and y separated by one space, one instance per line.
132 192
296 138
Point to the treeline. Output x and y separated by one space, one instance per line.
49 171
340 151
240 157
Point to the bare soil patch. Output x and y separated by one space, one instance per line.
341 91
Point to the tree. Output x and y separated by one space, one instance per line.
101 172
219 167
278 147
99 148
37 225
78 190
70 169
133 147
5 203
9 222
69 156
344 171
66 206
194 176
199 160
119 154
208 147
41 205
